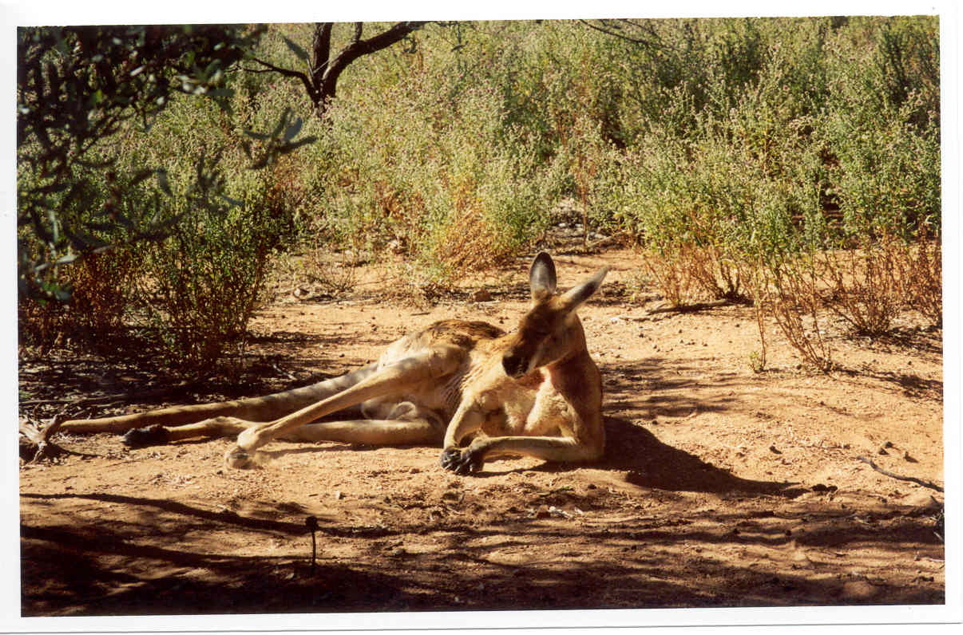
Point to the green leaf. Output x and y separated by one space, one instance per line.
54 226
66 260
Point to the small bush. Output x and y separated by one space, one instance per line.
866 284
790 290
924 278
314 271
671 276
206 276
100 288
687 273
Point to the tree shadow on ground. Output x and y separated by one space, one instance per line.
66 574
101 566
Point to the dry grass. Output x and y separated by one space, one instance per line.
689 273
101 286
867 286
316 271
924 279
673 280
468 244
791 294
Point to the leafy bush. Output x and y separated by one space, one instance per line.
206 276
446 183
77 88
181 189
100 291
758 134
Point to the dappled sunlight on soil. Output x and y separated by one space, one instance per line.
720 486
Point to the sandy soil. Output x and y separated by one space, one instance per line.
721 487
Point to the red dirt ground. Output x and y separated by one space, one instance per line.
721 487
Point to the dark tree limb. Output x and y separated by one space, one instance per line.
286 72
324 69
359 48
321 50
616 31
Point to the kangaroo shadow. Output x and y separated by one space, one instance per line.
648 462
651 463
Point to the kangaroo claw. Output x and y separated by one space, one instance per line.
461 461
240 459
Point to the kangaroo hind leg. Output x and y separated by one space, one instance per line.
397 378
371 432
226 418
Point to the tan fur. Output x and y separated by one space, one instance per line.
535 391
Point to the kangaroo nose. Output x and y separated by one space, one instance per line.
514 365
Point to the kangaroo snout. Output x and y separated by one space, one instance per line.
515 365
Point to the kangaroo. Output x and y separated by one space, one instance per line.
534 391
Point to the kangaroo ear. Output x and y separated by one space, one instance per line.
542 277
575 296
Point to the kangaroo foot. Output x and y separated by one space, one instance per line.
144 437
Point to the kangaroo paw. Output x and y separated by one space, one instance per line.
144 437
461 461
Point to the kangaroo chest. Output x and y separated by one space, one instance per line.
530 406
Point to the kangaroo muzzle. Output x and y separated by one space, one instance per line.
515 365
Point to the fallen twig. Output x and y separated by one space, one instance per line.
911 479
35 445
690 308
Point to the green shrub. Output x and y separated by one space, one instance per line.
206 275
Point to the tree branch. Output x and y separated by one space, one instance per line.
359 48
623 36
321 52
911 479
286 72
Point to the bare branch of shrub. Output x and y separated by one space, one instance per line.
791 293
866 284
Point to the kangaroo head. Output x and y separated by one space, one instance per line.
551 330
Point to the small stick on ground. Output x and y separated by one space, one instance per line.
690 308
35 444
911 479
